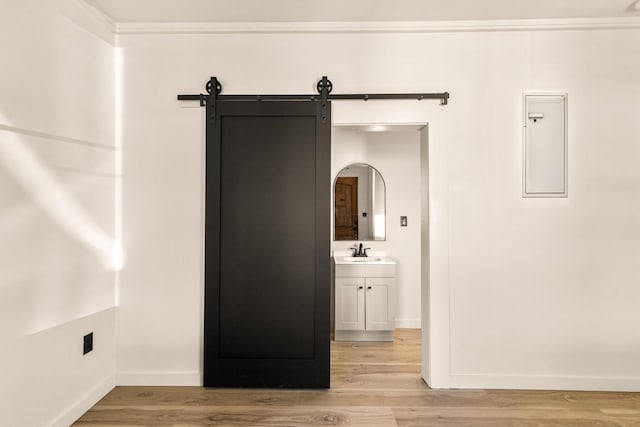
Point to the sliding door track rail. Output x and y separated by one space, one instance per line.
324 87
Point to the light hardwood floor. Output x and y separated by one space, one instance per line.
372 384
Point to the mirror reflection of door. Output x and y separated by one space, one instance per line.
346 208
359 203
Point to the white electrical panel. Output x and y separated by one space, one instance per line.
545 145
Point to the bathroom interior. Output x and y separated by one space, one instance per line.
389 157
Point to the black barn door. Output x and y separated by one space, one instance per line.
267 245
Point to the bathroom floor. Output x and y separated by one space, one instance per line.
372 384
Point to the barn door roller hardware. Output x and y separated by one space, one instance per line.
324 88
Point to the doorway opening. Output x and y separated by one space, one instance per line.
400 153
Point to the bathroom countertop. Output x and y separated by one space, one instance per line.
383 260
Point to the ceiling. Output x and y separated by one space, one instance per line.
184 11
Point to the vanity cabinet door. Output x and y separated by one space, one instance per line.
381 303
350 304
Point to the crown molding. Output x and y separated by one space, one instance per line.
99 15
90 18
96 15
378 27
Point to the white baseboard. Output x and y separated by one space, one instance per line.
408 323
540 382
85 403
159 379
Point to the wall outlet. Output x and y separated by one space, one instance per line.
403 221
87 343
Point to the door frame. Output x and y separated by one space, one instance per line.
435 289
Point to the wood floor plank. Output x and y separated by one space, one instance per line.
189 396
571 399
243 416
375 376
138 416
292 416
501 417
373 384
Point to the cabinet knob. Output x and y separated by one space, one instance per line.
360 287
368 287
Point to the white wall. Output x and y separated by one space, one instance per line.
523 293
57 185
396 155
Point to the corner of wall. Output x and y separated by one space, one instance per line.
90 18
84 403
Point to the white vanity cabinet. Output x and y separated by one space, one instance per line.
365 300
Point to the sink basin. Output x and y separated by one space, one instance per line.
362 259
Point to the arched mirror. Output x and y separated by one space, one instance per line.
359 204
